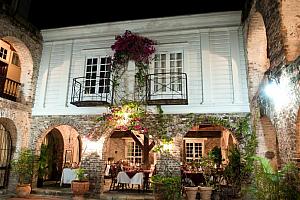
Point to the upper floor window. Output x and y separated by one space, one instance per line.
3 53
97 75
15 59
167 69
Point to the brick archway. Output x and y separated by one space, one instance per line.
291 28
267 141
26 67
258 61
297 146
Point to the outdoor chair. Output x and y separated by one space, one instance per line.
113 175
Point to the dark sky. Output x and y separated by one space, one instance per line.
53 14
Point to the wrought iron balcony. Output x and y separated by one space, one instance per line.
91 92
166 89
9 89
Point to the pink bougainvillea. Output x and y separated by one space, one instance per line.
130 46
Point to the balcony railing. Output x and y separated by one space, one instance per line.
88 93
167 89
9 89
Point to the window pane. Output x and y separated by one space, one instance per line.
89 61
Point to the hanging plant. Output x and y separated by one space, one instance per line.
130 46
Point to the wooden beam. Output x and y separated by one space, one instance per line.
136 139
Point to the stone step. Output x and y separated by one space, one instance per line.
67 194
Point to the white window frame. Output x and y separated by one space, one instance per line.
167 68
4 52
193 141
106 78
133 158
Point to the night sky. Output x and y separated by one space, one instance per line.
53 14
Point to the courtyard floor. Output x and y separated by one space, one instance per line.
55 192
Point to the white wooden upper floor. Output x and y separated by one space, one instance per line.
208 48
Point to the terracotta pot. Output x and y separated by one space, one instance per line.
191 192
23 190
79 188
205 193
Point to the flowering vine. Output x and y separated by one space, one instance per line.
128 116
130 46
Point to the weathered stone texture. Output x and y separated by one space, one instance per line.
94 167
28 43
281 21
291 28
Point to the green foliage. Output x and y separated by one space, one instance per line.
271 184
216 155
168 186
232 172
80 173
23 165
208 166
289 182
42 164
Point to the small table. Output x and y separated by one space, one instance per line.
67 176
137 178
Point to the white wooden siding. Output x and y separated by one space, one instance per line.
213 60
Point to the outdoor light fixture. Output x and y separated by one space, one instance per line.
278 93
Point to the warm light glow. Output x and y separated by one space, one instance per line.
279 93
167 146
92 146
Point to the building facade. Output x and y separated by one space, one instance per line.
207 53
221 76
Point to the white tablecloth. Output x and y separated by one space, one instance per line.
67 176
107 168
138 178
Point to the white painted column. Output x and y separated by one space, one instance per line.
235 64
66 72
206 68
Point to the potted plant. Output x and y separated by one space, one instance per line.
23 167
81 185
209 171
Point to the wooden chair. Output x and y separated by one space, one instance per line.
113 175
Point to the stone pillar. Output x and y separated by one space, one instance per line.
93 166
168 165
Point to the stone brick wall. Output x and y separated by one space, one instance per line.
41 125
168 165
210 144
27 41
281 19
16 116
291 28
281 28
116 149
95 162
94 167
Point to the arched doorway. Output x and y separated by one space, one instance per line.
202 140
5 156
62 146
55 149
